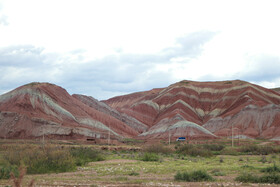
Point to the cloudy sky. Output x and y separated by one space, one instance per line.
111 47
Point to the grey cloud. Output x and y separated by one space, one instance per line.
21 56
262 68
190 45
101 78
23 64
4 20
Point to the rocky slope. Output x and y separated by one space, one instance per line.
276 90
205 110
42 108
195 110
104 108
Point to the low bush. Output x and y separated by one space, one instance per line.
271 169
217 172
6 170
158 148
270 178
150 157
249 178
133 173
193 150
195 176
259 150
83 155
49 159
230 151
213 147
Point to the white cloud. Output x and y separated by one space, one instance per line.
104 48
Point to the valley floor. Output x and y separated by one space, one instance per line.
125 168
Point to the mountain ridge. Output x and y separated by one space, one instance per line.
196 110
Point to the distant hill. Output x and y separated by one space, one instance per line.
276 89
195 110
38 109
205 110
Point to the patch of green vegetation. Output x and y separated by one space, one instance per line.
120 179
83 155
158 148
49 159
271 169
258 150
217 172
133 173
6 170
249 178
195 176
150 157
194 150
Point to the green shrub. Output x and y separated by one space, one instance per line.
230 151
247 178
249 149
195 176
271 169
270 178
150 157
158 148
83 155
259 150
40 159
217 172
6 170
213 147
193 150
133 173
49 161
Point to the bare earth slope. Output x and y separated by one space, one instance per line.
205 110
42 108
104 108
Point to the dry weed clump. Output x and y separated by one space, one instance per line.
19 180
